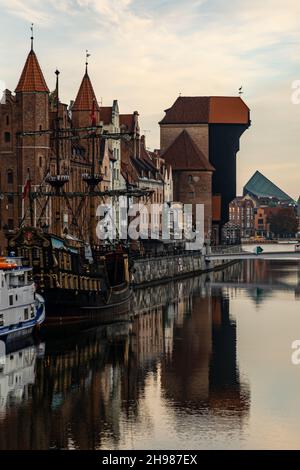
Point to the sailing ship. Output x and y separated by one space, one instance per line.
21 308
78 276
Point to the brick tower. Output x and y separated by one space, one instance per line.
31 114
192 175
22 156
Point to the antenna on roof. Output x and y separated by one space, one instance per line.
241 90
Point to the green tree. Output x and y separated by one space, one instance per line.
283 223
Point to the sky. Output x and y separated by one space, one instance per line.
145 53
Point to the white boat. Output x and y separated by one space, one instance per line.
21 308
17 370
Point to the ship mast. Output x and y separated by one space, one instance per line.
57 123
52 186
92 179
58 180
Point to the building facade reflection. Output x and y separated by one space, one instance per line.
87 389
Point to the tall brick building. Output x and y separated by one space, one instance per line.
23 157
241 214
143 169
27 110
207 130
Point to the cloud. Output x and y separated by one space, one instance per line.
31 11
144 53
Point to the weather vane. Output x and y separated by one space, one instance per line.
87 55
31 27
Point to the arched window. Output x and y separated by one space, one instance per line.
10 177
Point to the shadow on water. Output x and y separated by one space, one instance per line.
87 389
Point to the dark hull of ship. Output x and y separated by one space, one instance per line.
64 306
77 284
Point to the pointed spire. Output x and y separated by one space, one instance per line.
86 95
32 78
57 72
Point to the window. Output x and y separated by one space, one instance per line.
10 177
10 200
7 120
190 179
10 224
6 137
11 300
260 221
26 314
1 320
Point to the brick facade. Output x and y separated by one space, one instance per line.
214 125
33 108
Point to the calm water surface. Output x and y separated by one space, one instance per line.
201 363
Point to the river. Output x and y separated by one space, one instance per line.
202 363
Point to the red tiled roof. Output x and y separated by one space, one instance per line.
183 154
32 78
106 114
207 110
85 96
228 110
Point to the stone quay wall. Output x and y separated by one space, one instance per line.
167 267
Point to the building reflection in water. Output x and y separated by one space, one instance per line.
80 394
202 372
262 279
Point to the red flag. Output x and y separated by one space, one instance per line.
93 114
26 187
